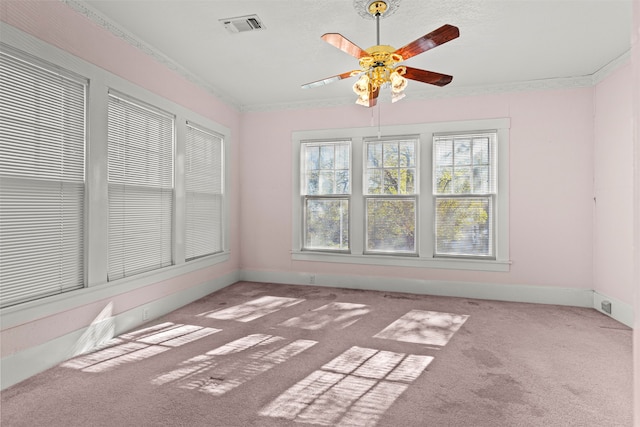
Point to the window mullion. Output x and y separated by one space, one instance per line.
357 198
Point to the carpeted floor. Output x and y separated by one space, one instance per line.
256 354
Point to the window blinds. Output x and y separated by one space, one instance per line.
140 141
204 192
42 134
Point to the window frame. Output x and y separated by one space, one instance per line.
96 288
414 196
69 178
425 201
305 196
127 104
491 194
211 191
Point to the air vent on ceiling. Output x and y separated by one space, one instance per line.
242 24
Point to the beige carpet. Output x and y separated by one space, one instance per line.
256 354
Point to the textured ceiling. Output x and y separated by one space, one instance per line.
514 42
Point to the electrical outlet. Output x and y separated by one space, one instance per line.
312 279
145 314
606 306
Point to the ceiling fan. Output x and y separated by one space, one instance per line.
378 64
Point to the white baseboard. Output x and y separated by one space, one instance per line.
21 365
490 291
620 311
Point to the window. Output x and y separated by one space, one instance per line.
42 129
325 188
204 191
461 222
140 140
390 192
94 185
464 187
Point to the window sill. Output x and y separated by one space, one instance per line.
404 261
28 311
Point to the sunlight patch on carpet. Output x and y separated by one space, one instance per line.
253 309
338 315
354 389
424 327
233 364
139 345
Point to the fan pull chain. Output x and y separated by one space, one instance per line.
379 132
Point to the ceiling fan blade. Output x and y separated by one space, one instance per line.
373 97
344 44
330 79
429 77
429 41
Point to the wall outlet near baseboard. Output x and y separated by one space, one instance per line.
606 306
312 279
145 314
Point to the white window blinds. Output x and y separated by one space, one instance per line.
204 192
140 139
42 134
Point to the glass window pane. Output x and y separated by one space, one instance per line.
391 225
312 155
391 181
374 155
407 181
390 154
481 179
326 182
463 226
327 224
481 151
444 153
462 155
374 181
327 155
462 180
342 156
443 181
313 183
407 154
342 182
327 168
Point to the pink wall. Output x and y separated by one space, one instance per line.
613 182
59 25
551 184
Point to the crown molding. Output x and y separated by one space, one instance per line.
89 12
610 67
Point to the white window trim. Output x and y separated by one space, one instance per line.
96 194
425 223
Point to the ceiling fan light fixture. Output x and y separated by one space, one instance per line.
398 83
363 100
361 86
395 97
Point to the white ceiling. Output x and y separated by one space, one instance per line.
513 42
